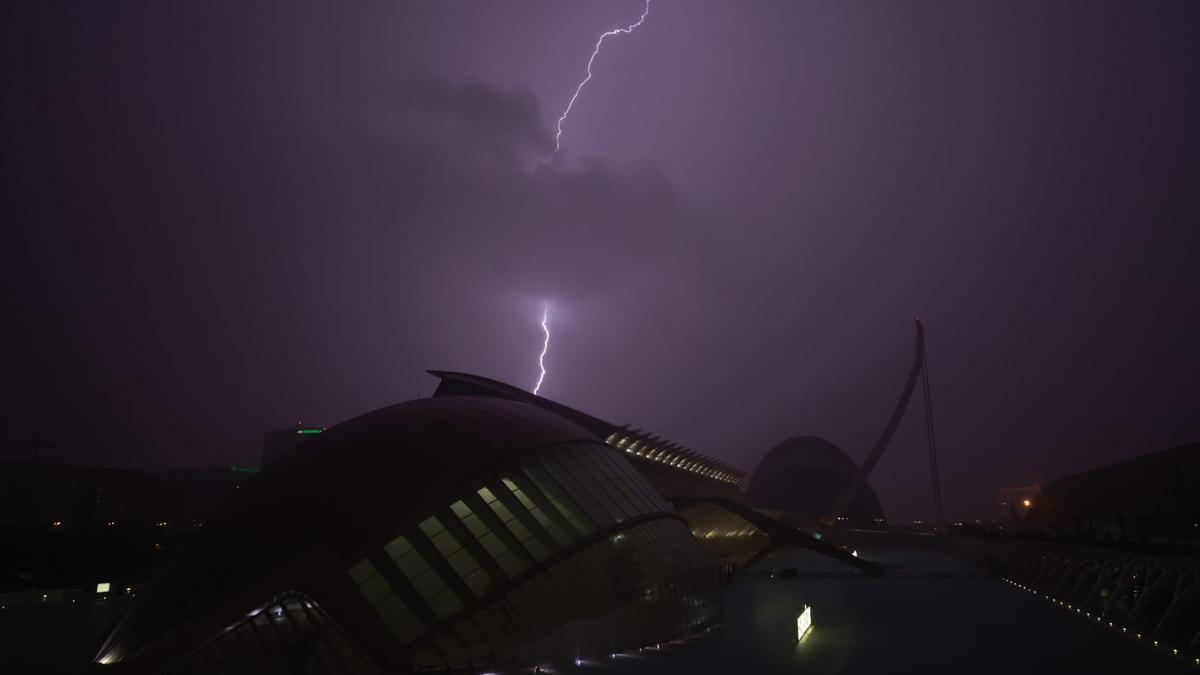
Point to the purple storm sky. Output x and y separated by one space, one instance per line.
222 218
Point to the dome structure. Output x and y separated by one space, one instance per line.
804 475
450 533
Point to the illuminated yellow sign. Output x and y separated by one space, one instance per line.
804 623
103 587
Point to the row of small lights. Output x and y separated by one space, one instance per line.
582 662
1098 617
671 458
744 532
101 594
58 524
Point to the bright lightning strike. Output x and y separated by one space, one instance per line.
545 347
616 31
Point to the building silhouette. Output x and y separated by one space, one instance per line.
444 533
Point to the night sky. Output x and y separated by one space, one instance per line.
222 218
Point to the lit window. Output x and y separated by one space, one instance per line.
523 535
460 559
504 558
804 623
392 610
561 538
565 506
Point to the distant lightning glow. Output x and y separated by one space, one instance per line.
616 31
545 347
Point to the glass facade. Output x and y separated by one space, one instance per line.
457 532
570 540
727 536
646 584
291 636
394 612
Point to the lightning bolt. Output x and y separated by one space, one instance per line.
545 347
616 31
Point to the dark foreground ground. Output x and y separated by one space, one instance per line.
932 614
53 639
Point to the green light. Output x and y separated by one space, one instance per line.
309 431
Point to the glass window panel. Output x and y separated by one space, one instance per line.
569 476
374 589
428 584
360 572
585 467
495 547
475 525
525 501
446 543
510 563
478 581
542 519
413 565
444 604
502 511
460 509
431 526
566 506
509 484
492 544
462 562
398 547
536 549
518 529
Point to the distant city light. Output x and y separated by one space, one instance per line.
803 624
1026 503
103 587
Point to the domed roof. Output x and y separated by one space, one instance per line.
337 489
804 475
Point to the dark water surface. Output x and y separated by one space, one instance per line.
54 638
929 614
935 615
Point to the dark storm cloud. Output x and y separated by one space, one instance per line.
493 199
471 114
223 218
201 264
